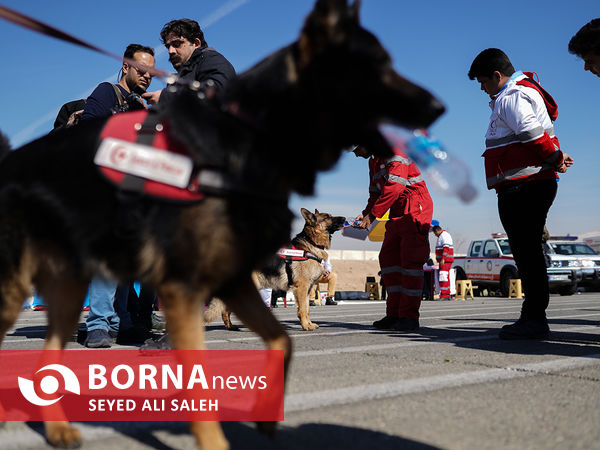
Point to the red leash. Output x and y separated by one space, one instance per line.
43 28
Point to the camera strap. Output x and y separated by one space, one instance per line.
120 99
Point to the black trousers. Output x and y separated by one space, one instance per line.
523 209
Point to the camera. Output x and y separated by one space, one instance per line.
133 102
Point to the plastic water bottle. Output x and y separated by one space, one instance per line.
351 222
445 172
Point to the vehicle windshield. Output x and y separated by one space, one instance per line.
504 246
572 248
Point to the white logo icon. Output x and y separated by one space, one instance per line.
49 385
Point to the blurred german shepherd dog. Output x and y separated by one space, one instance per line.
296 272
61 221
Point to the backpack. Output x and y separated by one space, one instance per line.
550 103
70 113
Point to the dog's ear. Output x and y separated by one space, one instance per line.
327 24
316 211
4 145
355 10
308 216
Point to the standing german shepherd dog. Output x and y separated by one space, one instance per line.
301 275
297 274
61 222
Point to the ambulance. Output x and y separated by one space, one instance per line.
489 263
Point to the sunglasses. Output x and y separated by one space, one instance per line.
175 43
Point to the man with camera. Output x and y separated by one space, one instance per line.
108 98
108 318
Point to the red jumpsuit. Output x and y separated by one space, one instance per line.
444 250
397 184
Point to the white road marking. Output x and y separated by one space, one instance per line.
354 394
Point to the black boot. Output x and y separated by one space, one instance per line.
386 323
406 324
525 329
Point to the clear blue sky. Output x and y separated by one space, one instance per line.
432 43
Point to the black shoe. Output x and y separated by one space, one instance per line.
386 323
406 324
525 329
330 301
98 339
312 303
158 323
162 343
137 334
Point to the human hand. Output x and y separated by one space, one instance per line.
365 222
325 274
152 97
566 163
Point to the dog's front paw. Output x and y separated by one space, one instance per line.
310 326
63 435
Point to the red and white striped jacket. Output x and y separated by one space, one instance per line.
397 184
444 248
520 141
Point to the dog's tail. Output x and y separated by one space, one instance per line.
214 310
4 145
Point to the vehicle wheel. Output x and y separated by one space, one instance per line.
510 273
460 273
568 290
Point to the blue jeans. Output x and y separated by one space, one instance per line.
108 306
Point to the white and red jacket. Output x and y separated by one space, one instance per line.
444 248
520 141
397 184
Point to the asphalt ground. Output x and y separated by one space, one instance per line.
452 385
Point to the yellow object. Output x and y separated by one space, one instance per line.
515 291
464 288
378 233
318 296
373 289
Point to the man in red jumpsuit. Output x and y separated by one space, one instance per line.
396 184
444 253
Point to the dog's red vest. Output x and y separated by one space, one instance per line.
125 127
296 254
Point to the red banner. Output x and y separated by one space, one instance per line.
129 385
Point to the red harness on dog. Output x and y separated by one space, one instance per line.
127 127
291 254
296 254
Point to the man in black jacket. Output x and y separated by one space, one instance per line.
586 45
194 61
191 57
